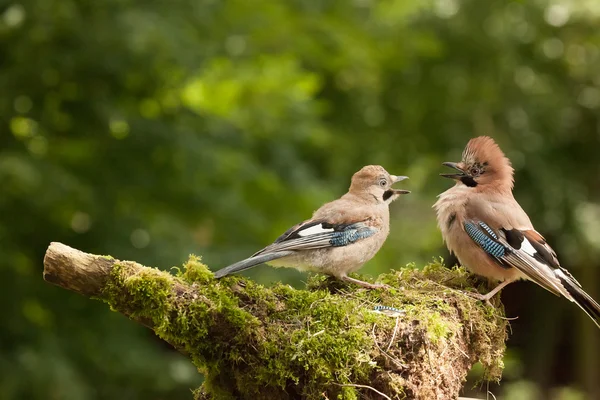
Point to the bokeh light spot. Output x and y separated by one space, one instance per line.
23 127
553 48
557 15
589 97
140 238
22 104
81 222
119 128
14 15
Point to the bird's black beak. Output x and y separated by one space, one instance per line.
461 173
397 178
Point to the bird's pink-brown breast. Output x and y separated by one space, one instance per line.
460 203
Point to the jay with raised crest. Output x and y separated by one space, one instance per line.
491 235
341 235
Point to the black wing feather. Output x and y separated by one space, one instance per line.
333 235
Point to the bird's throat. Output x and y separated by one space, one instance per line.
469 181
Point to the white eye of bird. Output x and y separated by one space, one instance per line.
474 171
383 182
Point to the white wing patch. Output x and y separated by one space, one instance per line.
563 277
560 274
527 248
314 230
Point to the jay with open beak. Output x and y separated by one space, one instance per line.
341 235
491 235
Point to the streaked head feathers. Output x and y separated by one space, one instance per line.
483 165
375 182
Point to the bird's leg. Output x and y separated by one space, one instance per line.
363 283
487 297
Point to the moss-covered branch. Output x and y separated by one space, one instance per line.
327 341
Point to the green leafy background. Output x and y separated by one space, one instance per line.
149 130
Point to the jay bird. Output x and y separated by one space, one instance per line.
491 235
341 235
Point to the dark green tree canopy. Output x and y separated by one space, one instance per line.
151 130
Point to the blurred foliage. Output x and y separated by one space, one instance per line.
150 130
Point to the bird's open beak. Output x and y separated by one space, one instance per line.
461 173
396 179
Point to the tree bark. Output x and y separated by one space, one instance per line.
330 340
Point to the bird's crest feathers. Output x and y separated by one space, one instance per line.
483 152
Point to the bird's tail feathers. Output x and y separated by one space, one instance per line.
251 262
580 297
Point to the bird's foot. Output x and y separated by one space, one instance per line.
487 297
364 284
481 297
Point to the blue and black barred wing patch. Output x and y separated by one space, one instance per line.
320 234
485 237
489 241
513 249
344 235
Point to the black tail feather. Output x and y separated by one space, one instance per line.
251 262
580 297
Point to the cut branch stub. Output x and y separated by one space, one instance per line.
75 270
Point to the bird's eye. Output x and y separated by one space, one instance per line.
474 171
383 183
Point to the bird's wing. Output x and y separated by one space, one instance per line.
525 250
318 234
528 251
308 235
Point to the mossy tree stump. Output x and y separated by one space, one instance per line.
325 342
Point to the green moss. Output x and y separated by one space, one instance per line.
194 271
348 393
279 342
143 294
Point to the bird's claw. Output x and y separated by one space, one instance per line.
364 284
481 297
